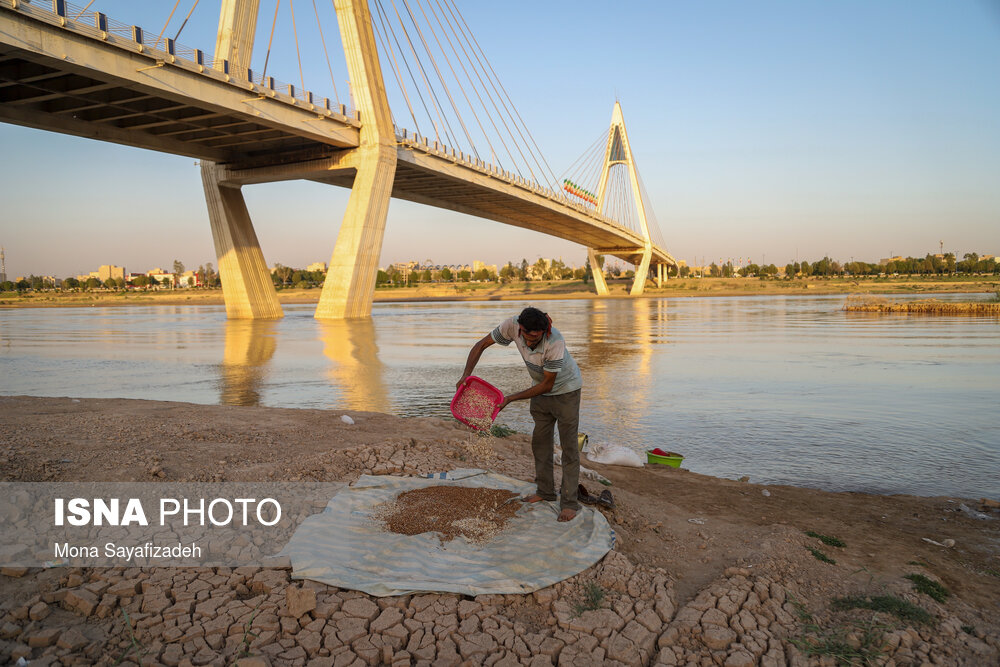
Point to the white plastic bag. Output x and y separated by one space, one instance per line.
614 455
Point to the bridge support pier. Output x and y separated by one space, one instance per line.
595 269
350 281
642 272
246 282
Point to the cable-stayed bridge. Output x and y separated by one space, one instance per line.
66 69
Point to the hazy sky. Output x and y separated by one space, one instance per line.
769 130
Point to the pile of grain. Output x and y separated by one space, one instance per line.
478 514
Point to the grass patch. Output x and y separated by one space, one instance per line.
248 636
991 572
888 604
819 555
928 587
134 644
826 539
593 597
836 645
969 630
501 431
918 563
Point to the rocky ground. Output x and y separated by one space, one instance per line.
705 571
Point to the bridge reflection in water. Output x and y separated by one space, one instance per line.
250 344
359 380
620 341
356 370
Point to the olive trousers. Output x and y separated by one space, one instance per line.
550 412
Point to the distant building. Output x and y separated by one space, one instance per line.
160 276
317 266
189 279
886 260
110 271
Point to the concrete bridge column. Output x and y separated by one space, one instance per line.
246 282
595 268
350 281
642 272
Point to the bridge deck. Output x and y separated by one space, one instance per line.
66 76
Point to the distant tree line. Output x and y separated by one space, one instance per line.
205 276
285 276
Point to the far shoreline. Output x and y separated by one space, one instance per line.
533 291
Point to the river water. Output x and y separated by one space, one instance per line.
784 389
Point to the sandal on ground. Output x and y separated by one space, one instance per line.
606 500
584 496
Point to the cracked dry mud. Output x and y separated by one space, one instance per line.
740 588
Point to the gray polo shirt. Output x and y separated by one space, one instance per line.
549 355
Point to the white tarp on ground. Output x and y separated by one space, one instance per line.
344 547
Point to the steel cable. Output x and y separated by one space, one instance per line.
511 104
434 101
387 27
326 53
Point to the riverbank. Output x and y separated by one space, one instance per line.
862 304
683 287
703 568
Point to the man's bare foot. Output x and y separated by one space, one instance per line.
533 498
566 515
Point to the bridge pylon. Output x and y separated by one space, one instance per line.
618 152
246 282
350 282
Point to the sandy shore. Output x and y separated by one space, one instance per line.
684 287
705 571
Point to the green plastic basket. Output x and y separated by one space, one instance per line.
672 461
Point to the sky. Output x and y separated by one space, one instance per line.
770 131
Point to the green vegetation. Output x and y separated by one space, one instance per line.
836 643
918 563
819 555
826 539
888 604
248 636
969 630
593 597
928 587
501 431
134 644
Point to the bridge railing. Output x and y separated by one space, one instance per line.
164 51
425 145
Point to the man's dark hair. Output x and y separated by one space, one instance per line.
533 319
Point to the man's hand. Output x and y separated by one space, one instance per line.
458 385
503 404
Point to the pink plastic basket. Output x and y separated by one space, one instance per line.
475 401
